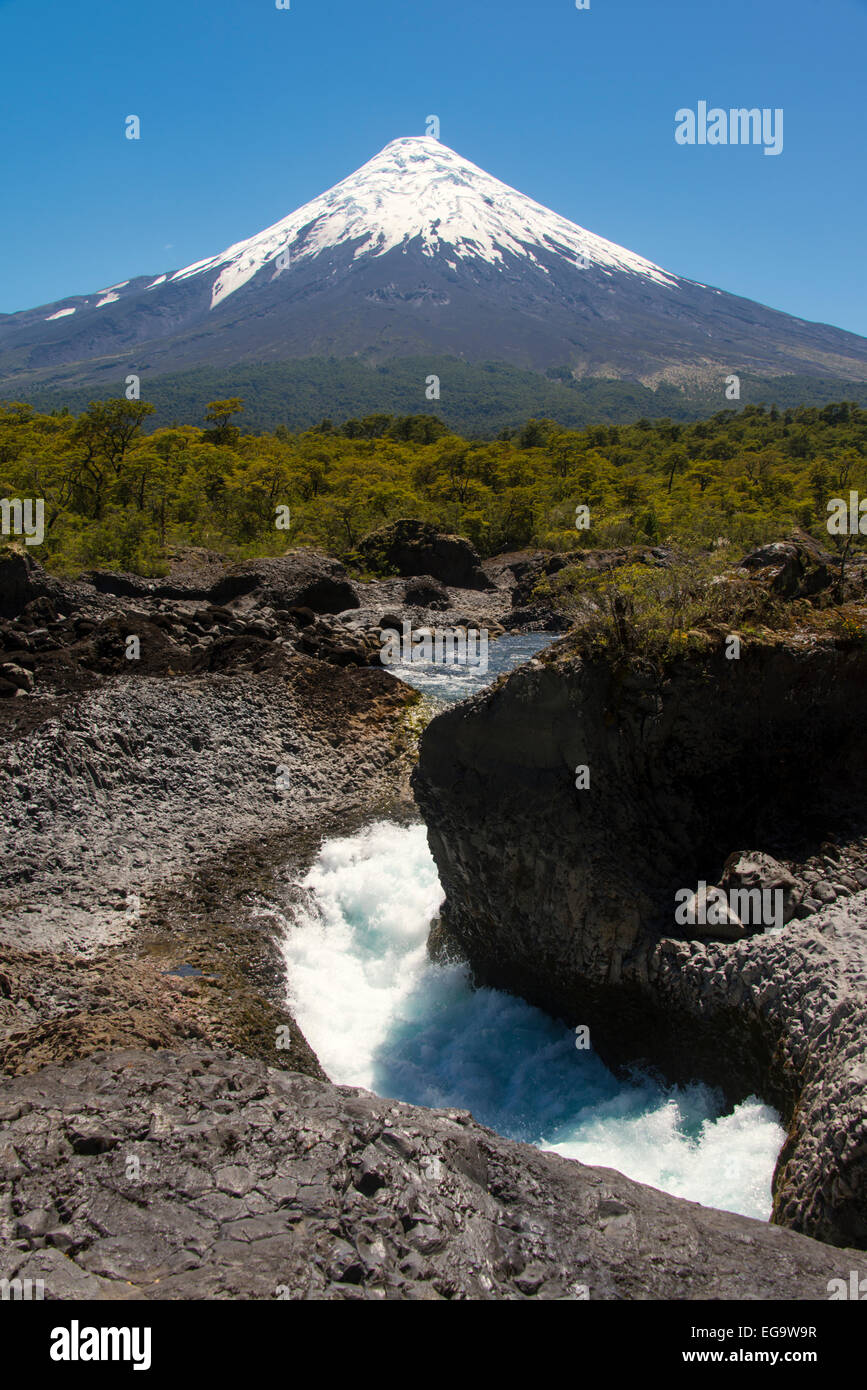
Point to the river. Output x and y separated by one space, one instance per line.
380 1014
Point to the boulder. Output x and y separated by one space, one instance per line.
21 679
298 579
796 568
120 584
417 548
426 592
753 871
391 622
22 580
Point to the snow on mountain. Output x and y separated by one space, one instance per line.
419 189
418 253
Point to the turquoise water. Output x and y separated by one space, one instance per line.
380 1014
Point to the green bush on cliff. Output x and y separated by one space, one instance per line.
666 610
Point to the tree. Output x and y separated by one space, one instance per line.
534 435
674 460
219 414
104 433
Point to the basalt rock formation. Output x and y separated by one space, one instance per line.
300 578
410 548
149 794
204 1174
566 895
149 807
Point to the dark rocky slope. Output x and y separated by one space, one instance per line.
146 805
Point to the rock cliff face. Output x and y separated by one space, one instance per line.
567 896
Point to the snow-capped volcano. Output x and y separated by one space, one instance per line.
417 189
418 252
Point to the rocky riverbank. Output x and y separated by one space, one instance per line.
149 804
145 802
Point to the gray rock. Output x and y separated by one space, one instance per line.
116 810
506 1221
796 568
750 873
825 892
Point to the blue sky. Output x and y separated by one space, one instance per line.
248 111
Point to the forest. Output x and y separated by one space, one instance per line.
478 399
117 496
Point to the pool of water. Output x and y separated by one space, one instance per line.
450 683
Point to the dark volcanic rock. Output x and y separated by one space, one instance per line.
411 548
567 896
426 592
145 776
22 580
796 568
121 584
301 578
305 578
167 1175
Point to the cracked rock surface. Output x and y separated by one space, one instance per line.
202 1174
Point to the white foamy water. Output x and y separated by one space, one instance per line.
380 1014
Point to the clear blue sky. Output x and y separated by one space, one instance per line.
248 111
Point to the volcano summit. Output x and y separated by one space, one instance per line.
420 251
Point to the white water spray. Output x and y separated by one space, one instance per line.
380 1014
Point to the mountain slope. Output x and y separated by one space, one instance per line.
419 251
